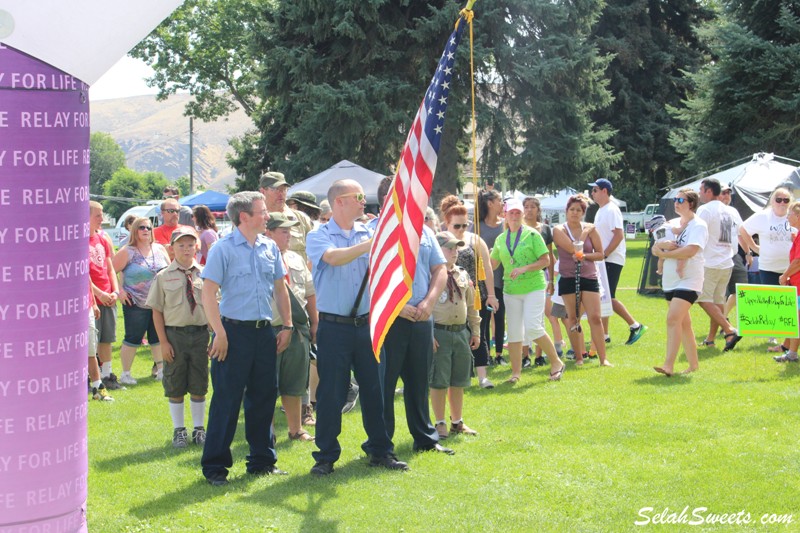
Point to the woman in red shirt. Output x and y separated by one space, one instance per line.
791 276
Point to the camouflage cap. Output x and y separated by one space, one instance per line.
279 220
272 180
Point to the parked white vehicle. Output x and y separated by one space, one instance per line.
640 217
119 235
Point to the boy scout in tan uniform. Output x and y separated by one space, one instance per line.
294 362
180 321
453 341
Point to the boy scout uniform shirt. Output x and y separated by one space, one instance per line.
458 311
298 232
300 282
168 295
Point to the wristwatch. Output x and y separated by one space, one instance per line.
287 328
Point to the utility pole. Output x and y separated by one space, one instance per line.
191 155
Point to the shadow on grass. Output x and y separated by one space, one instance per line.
663 381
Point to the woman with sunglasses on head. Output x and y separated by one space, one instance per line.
137 264
564 235
683 241
490 209
457 222
775 236
524 256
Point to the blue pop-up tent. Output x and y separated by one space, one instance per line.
215 201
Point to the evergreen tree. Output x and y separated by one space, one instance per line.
344 80
653 45
746 101
540 77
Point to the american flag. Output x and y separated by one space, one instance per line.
393 257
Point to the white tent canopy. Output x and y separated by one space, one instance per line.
319 184
752 183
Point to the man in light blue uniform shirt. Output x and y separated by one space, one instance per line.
408 347
339 255
244 267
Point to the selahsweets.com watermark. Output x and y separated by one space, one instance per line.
699 516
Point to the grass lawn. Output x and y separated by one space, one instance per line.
584 454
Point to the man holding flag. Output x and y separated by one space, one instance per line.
338 251
409 347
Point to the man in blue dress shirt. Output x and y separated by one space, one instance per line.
244 266
408 347
339 255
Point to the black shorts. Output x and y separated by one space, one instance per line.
689 296
567 285
613 270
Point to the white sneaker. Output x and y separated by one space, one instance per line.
126 379
160 374
485 383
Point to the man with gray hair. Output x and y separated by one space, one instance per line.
246 267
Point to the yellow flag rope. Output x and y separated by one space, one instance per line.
480 273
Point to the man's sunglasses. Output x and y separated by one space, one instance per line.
359 196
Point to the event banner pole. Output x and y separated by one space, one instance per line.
44 283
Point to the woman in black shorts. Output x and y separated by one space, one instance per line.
564 236
682 282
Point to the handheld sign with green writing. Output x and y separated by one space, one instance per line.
766 310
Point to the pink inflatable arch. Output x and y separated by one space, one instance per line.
44 213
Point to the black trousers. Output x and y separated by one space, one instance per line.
408 350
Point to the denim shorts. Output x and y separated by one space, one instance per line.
138 321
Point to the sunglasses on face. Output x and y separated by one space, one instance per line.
173 211
359 196
782 200
680 200
145 228
459 226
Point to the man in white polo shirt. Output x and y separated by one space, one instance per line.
608 222
723 230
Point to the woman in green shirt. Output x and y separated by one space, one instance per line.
523 254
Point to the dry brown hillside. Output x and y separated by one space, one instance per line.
155 137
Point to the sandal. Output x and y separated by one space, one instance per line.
512 379
441 429
731 340
780 348
302 435
662 371
555 376
707 344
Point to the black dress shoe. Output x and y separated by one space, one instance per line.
437 448
388 461
268 471
217 481
322 468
